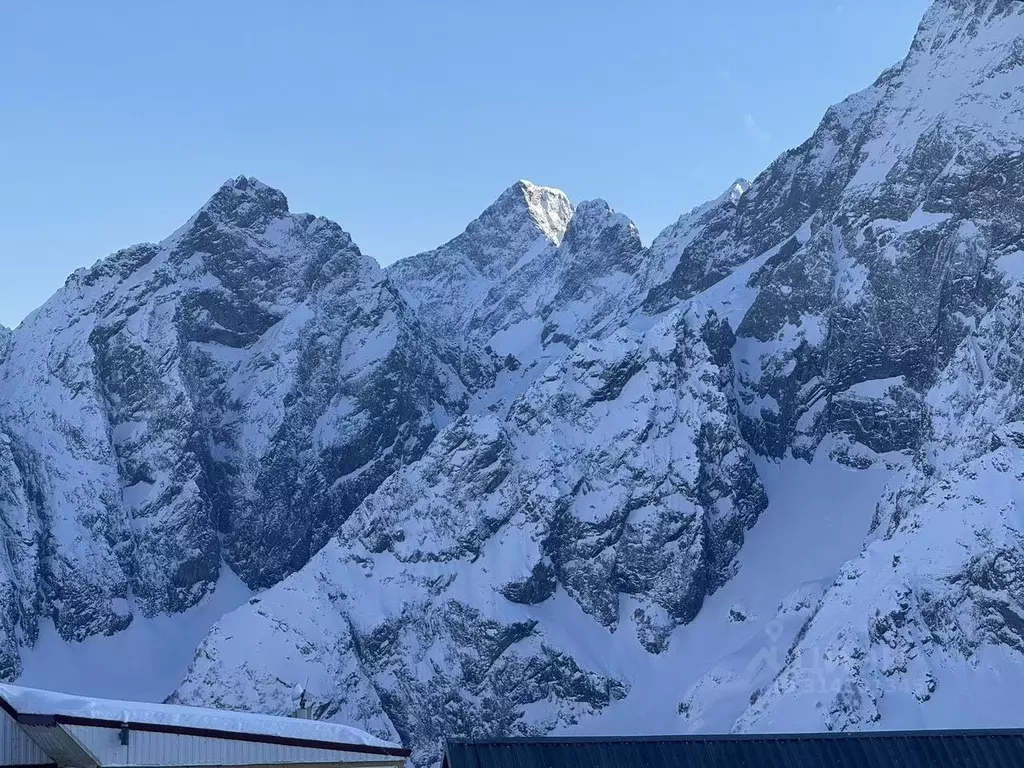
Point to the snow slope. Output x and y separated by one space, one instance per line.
817 518
144 662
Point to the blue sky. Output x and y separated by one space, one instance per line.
399 119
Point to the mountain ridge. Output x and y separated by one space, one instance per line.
799 289
544 478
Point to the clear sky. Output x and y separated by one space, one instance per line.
399 119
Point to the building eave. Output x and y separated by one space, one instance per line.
51 720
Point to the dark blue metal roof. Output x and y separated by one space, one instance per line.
879 749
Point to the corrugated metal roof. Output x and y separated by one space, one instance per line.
903 749
32 709
21 703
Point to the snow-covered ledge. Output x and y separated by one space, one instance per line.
44 728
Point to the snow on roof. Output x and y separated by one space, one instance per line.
33 701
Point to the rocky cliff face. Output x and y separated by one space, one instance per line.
877 235
617 483
932 610
230 394
838 301
758 475
923 265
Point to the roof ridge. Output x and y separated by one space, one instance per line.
912 733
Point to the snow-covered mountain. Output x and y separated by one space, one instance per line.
226 396
761 475
526 281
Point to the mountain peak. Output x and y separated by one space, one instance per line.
602 237
597 213
549 208
949 20
245 201
736 191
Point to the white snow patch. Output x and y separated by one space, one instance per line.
876 388
146 661
1012 265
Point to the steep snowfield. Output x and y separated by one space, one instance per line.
144 662
896 638
817 518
